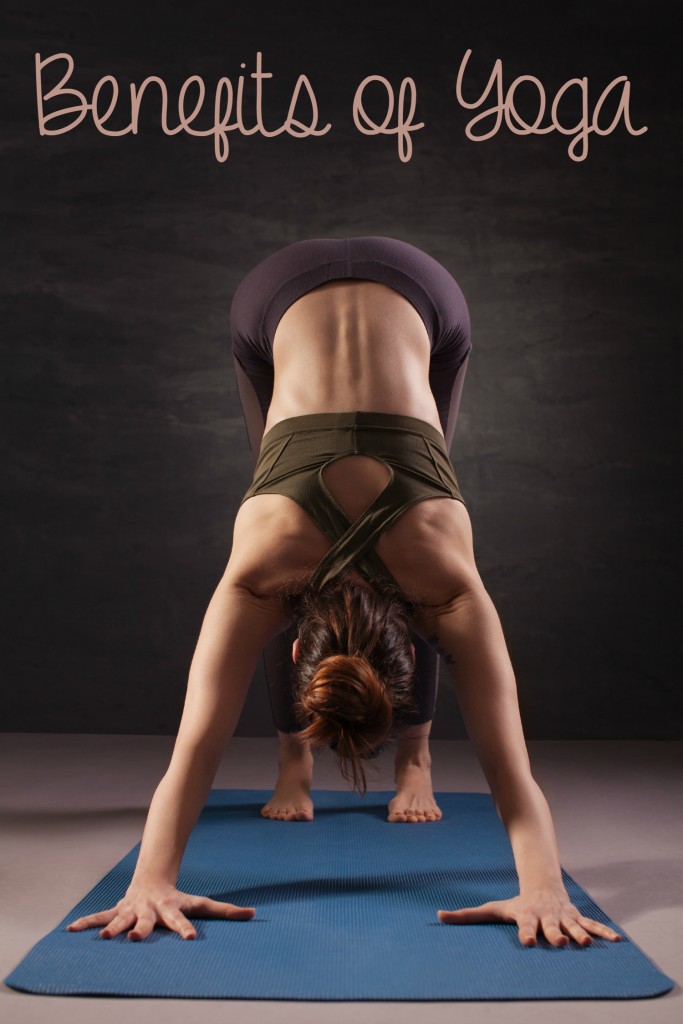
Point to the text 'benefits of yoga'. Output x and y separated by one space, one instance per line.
227 107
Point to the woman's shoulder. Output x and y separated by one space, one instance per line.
428 549
275 544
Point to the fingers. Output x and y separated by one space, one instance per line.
578 933
557 928
597 928
559 931
551 929
472 915
122 921
142 914
176 921
91 921
145 925
527 929
203 906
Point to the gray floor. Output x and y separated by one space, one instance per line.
616 807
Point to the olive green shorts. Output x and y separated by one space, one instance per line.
295 451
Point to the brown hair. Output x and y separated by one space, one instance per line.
355 669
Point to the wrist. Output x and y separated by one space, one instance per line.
541 883
151 880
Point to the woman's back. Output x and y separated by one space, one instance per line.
352 346
347 325
384 314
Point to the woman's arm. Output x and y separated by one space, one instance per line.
467 633
243 615
236 626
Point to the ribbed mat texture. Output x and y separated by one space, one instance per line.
345 910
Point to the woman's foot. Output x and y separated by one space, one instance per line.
414 800
291 800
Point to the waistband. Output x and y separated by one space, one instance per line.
349 420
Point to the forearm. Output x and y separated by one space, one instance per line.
236 626
173 812
469 635
525 813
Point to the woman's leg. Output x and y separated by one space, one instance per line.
291 799
277 659
414 791
412 769
414 800
254 419
453 389
277 654
447 393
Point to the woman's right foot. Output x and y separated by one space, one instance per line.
291 800
414 800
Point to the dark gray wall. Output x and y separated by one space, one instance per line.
127 451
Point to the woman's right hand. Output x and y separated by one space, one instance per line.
147 905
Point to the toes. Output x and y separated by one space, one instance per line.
414 816
396 816
288 813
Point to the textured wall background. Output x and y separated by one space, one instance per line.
127 454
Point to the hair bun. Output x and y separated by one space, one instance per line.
348 708
346 688
354 672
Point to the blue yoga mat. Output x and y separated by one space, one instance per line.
345 909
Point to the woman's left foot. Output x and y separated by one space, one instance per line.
291 800
414 800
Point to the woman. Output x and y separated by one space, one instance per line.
353 554
431 330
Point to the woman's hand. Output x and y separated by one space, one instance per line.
143 906
549 908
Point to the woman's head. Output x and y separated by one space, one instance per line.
354 666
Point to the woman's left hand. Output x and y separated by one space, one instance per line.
551 909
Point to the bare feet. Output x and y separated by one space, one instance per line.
291 800
414 800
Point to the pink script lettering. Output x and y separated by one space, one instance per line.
404 125
226 99
505 105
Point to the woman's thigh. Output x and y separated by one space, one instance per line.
251 410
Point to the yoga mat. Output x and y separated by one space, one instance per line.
345 909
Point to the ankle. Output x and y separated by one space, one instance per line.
412 754
292 750
411 763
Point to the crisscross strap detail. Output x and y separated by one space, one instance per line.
298 449
354 539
